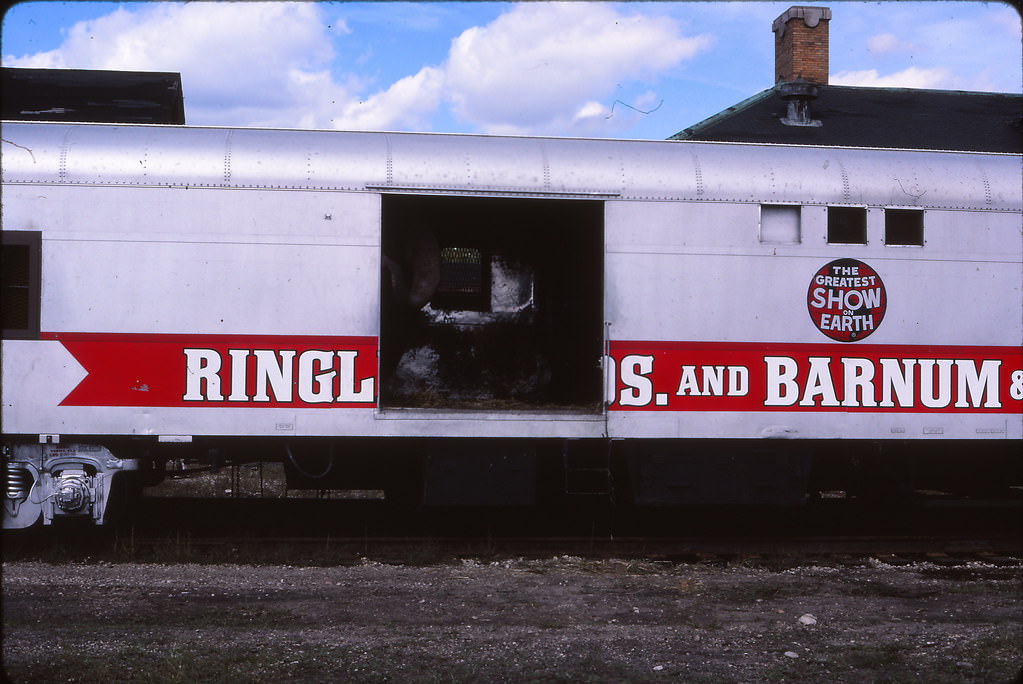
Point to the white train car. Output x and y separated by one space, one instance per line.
479 320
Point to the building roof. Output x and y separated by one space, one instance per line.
89 95
874 117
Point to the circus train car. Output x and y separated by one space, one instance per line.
463 320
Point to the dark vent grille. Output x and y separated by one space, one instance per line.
19 284
14 266
461 271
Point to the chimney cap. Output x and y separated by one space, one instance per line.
811 16
797 89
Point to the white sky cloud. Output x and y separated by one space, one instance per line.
405 105
265 61
531 69
913 77
575 68
887 43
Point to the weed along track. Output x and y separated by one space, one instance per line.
554 619
235 589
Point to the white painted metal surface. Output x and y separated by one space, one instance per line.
162 156
199 233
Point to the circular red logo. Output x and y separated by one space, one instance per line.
846 300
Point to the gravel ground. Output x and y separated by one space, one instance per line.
558 620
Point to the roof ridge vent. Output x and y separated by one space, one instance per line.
799 94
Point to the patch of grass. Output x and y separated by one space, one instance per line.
881 663
972 573
910 590
875 657
750 592
423 554
548 622
185 662
991 657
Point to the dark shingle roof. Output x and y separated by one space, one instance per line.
88 95
875 117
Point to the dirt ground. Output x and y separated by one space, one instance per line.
557 620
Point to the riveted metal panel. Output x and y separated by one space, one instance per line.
150 156
305 160
31 154
639 170
467 163
585 165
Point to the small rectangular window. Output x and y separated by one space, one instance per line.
19 280
903 227
780 224
847 225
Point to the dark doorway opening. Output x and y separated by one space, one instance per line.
491 303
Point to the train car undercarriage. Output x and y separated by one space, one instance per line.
54 483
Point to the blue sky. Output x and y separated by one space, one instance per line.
625 70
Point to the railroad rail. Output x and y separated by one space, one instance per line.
261 530
999 551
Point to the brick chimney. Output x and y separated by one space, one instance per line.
801 45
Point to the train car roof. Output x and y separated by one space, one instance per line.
429 163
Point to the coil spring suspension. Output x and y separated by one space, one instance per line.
19 482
